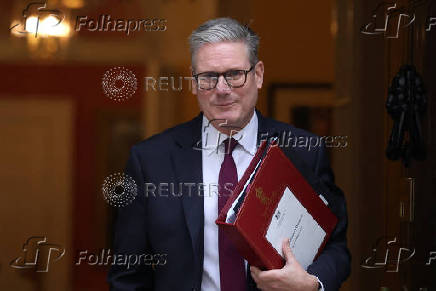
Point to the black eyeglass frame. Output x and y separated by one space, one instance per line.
223 74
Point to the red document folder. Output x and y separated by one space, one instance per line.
260 211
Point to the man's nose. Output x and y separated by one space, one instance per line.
222 85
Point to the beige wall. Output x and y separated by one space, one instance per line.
36 198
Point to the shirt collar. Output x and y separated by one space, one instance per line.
212 139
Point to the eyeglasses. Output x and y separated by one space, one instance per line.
234 78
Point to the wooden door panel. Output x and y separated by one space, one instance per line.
35 199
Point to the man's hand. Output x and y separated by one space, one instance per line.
292 277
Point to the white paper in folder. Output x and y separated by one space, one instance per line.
291 220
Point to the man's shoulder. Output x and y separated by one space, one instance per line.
289 129
295 142
166 139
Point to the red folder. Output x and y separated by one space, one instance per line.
275 173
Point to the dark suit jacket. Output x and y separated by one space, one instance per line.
172 223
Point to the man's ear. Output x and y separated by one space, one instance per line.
258 71
193 82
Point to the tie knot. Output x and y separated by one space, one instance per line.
229 145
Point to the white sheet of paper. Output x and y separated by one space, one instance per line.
291 220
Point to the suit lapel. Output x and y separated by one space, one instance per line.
265 128
187 162
188 167
187 159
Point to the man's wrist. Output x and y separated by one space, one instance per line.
320 285
314 283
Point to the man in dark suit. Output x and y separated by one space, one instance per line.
174 212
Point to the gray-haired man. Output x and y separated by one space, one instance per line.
181 223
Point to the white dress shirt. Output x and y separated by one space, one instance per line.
213 156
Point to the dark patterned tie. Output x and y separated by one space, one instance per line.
232 273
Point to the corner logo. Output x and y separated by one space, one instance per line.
37 10
223 123
38 254
387 256
388 19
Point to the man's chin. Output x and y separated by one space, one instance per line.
229 117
